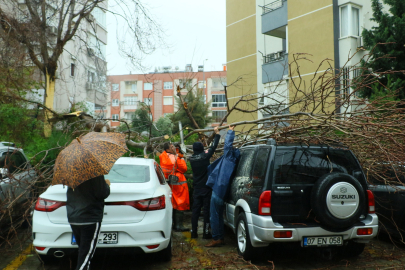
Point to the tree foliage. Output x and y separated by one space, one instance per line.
198 108
390 29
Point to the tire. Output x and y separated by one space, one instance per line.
353 249
165 255
334 189
244 246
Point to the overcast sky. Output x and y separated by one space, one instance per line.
194 29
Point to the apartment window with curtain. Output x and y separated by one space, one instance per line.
115 102
115 117
168 85
201 84
218 101
167 100
349 20
130 100
147 86
148 101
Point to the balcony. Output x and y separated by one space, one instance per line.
274 19
91 86
275 66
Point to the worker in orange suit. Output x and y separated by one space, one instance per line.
173 164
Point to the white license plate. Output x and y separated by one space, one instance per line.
103 238
108 238
323 241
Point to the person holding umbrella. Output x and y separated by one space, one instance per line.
81 166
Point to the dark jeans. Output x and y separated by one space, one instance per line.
217 217
200 198
86 238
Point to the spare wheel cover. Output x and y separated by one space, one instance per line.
342 200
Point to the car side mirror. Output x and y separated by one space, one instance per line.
3 173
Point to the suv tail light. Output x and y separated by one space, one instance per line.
265 203
371 202
45 205
151 204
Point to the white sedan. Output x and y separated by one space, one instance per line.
138 213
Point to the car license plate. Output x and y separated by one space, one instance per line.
108 238
103 238
323 241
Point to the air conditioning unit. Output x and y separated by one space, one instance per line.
90 18
90 51
360 42
53 30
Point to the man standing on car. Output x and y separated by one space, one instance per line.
85 211
172 164
220 173
200 161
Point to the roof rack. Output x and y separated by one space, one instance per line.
7 144
255 142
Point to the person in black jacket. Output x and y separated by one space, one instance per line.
200 161
85 210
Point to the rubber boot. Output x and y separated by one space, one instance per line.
206 231
178 227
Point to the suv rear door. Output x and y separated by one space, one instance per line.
296 169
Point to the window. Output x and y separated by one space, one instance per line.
217 83
72 69
12 161
148 101
98 107
115 102
168 85
147 86
259 170
115 87
123 173
185 83
202 84
160 175
131 87
130 100
245 163
91 76
303 165
218 116
115 117
128 116
167 100
100 16
349 21
218 101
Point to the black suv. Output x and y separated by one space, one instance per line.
314 195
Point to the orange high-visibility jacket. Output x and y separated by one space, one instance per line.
180 195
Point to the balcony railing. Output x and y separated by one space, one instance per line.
274 57
272 6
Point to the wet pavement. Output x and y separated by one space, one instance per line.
191 254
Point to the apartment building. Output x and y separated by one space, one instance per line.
82 68
158 89
264 35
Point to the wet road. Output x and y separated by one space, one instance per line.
191 254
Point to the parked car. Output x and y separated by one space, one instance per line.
16 184
390 198
137 214
315 196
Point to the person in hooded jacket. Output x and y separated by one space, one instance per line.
200 161
220 173
85 211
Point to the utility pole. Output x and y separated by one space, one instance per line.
204 84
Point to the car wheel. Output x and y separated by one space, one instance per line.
353 249
166 254
245 248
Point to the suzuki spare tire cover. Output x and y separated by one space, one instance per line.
338 200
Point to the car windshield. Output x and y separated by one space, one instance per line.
121 173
